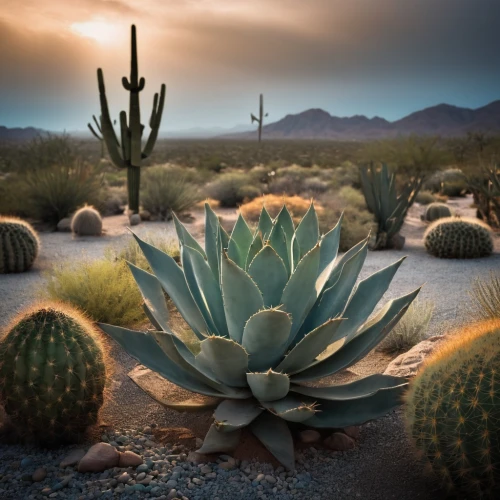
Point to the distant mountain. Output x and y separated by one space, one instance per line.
444 120
20 134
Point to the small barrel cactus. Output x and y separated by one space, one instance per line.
453 411
87 222
52 373
458 238
436 211
19 245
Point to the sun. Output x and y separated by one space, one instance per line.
99 30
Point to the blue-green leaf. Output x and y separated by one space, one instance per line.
232 415
219 442
265 225
268 386
185 237
239 243
307 233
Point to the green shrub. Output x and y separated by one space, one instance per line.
229 188
485 298
411 328
425 198
166 189
450 182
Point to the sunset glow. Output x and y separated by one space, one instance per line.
99 30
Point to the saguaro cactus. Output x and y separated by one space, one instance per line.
128 152
260 119
97 132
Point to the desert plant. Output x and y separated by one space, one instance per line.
260 119
436 211
485 187
425 197
485 298
166 190
453 410
103 288
87 222
52 373
128 153
411 329
229 188
269 309
458 238
449 182
19 245
97 132
296 205
389 208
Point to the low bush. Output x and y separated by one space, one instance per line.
296 205
231 188
485 298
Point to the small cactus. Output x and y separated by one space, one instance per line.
52 373
458 238
436 211
87 222
453 411
19 245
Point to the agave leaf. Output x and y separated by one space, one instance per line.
274 434
293 252
239 243
329 246
204 289
384 191
307 233
173 281
219 442
313 344
232 414
285 220
366 186
338 414
367 338
242 298
268 386
255 248
358 389
212 244
265 338
265 225
185 237
268 272
277 240
291 408
152 293
143 347
150 316
227 359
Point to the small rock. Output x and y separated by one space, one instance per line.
72 459
135 219
124 478
197 458
26 462
46 491
199 443
339 441
172 494
145 215
39 475
147 429
100 457
140 476
64 225
226 465
309 436
352 431
142 468
171 483
129 459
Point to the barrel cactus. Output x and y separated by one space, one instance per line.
436 211
19 245
87 222
52 373
458 238
453 411
274 309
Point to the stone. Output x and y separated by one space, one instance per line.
100 457
339 441
397 242
199 443
26 462
352 431
197 458
309 436
64 225
226 465
135 219
124 478
129 459
39 475
145 215
408 363
73 458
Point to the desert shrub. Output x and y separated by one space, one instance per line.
87 222
229 188
450 182
296 205
346 174
411 328
315 185
485 298
167 189
262 174
250 192
425 197
290 180
104 289
112 200
454 188
13 195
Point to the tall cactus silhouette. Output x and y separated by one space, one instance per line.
261 117
97 132
127 152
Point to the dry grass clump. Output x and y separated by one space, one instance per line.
411 328
485 298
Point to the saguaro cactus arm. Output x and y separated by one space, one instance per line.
155 121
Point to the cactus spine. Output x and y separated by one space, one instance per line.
52 373
261 117
453 411
19 245
128 152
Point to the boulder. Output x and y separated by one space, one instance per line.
408 363
100 457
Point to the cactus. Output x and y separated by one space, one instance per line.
19 245
273 309
87 222
97 132
436 211
379 189
128 152
52 373
260 119
458 238
453 411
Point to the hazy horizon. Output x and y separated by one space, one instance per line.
382 58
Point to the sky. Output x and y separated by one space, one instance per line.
383 58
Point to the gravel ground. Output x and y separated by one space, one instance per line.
383 466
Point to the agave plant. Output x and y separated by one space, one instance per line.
379 189
275 310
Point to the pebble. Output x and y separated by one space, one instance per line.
39 475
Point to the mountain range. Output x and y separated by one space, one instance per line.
444 120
